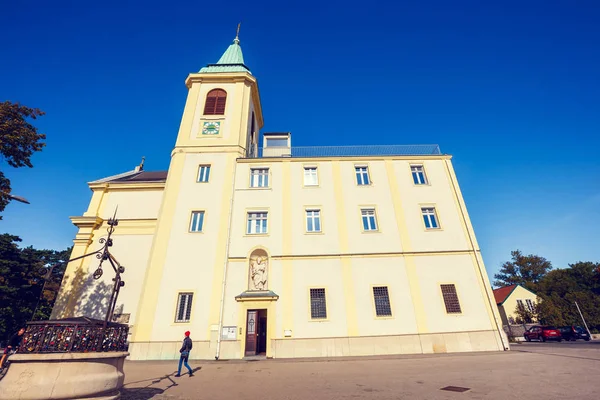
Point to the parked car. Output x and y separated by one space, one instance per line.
542 333
574 333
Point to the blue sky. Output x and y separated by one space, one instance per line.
510 89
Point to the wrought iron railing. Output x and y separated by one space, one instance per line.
74 335
358 151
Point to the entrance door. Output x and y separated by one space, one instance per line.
261 345
256 332
251 333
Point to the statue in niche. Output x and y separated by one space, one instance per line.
258 271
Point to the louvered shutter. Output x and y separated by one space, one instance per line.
215 102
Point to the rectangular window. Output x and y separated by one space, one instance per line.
369 219
520 304
450 299
197 221
310 176
184 307
418 174
281 142
313 220
362 175
203 173
257 223
382 301
259 177
318 304
430 218
530 305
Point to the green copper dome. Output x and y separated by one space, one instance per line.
231 61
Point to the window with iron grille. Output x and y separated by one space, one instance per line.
310 176
318 304
418 174
184 307
369 219
215 102
451 299
382 301
313 220
430 218
362 175
259 177
257 223
203 173
197 221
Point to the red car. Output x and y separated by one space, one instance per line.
543 333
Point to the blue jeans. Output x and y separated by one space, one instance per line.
184 360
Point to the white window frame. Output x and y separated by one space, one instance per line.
362 175
429 213
311 176
197 223
187 298
530 305
259 177
418 175
254 225
203 173
370 214
313 216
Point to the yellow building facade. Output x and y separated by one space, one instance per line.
509 297
260 248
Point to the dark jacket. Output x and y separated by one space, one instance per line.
15 340
187 345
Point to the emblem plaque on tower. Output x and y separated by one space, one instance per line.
211 127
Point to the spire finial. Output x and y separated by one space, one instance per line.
237 33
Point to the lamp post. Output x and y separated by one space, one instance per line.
18 198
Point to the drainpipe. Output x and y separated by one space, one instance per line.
224 284
485 287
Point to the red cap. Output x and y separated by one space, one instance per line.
187 333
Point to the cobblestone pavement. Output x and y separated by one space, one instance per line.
525 372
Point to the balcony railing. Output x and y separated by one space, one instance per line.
364 151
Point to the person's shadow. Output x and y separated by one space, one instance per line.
148 392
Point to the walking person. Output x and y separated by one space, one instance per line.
185 354
13 345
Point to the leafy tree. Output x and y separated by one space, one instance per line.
22 289
523 270
561 288
18 141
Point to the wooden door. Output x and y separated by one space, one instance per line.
251 327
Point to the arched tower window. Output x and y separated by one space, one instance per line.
259 268
215 102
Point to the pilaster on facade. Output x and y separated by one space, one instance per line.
87 226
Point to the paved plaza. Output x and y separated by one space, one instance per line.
531 370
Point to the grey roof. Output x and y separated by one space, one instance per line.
365 151
144 176
257 294
135 176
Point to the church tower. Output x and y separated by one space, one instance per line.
220 123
